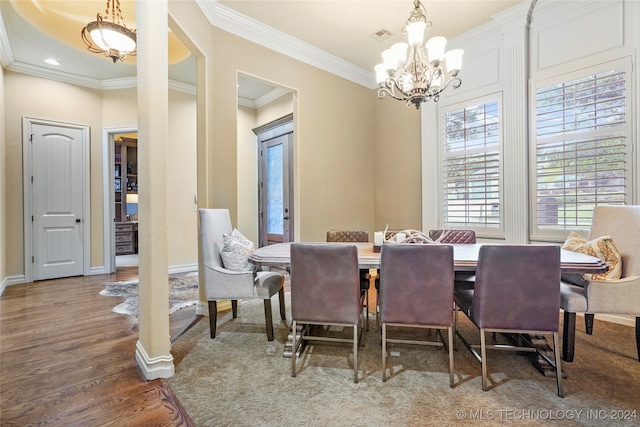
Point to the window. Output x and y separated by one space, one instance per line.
471 164
581 149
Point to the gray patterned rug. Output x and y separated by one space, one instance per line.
241 379
183 292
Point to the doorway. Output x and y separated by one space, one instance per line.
120 201
56 199
275 177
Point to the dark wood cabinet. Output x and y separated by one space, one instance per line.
125 189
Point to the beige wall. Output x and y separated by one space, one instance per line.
99 110
247 221
49 100
347 147
248 162
333 154
181 183
397 165
278 108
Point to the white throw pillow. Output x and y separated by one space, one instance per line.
235 251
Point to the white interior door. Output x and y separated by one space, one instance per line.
57 177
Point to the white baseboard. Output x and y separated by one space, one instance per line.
158 367
4 285
12 280
97 270
615 318
183 268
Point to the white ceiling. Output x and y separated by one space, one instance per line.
338 30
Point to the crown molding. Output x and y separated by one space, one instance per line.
264 99
121 83
110 84
45 73
182 87
250 29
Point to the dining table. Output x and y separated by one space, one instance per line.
465 258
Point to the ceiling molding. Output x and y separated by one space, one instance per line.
109 84
45 73
244 102
271 96
250 29
264 99
182 87
116 84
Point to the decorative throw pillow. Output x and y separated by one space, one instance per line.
603 248
235 251
240 238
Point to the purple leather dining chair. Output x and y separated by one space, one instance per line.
416 290
517 290
355 236
325 290
454 236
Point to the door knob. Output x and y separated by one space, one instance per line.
78 220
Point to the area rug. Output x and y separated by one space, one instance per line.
241 379
183 292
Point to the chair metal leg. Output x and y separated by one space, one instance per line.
365 308
638 337
283 314
483 361
268 318
455 325
568 336
295 346
213 317
588 322
450 349
355 353
384 352
556 350
234 308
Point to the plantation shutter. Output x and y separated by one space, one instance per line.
581 148
471 166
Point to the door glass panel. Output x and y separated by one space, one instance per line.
275 204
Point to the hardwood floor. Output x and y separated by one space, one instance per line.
67 359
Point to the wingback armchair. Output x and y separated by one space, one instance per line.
223 284
619 296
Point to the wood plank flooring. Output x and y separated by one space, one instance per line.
67 359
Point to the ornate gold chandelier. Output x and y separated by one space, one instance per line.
112 38
410 74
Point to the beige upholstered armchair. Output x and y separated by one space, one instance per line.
619 296
225 284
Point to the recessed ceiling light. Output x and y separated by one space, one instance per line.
51 61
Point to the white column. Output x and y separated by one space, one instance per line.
515 211
430 154
153 348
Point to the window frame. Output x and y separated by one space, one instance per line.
540 232
496 231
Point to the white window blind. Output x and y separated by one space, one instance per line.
581 151
471 166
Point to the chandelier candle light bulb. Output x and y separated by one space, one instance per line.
408 73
